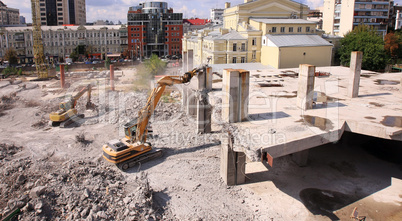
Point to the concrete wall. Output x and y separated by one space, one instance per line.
347 14
291 57
270 56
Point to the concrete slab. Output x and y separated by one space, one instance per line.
276 126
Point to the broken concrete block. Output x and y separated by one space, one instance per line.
37 191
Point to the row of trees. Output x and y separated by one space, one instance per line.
377 52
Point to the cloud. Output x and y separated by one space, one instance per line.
313 4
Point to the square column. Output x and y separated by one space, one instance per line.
356 59
233 164
184 68
305 91
190 63
235 88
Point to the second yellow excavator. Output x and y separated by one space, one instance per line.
67 112
133 148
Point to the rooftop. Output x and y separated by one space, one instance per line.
297 40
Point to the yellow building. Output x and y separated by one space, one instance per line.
246 32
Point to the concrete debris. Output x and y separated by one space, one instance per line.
75 190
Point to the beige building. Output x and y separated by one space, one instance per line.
342 16
8 16
270 32
62 12
59 41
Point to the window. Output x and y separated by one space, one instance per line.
253 54
299 29
282 29
234 60
307 29
243 60
254 41
234 47
290 29
243 46
273 29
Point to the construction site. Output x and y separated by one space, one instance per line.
309 143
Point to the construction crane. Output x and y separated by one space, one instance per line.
133 148
41 68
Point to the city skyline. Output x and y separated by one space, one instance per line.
116 10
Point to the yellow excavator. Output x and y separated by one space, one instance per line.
67 113
133 148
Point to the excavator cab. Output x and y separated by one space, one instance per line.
130 129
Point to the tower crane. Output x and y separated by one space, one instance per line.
41 68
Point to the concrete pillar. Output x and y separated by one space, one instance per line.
192 100
300 158
184 96
185 69
208 81
235 87
355 69
62 77
305 91
190 59
203 107
112 77
233 164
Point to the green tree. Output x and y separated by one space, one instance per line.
11 56
74 55
366 39
392 45
155 65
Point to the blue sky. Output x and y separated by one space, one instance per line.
115 10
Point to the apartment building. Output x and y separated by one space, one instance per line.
270 32
342 16
8 16
217 15
153 28
60 41
62 12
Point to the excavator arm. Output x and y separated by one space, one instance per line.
145 113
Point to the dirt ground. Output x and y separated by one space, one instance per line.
57 173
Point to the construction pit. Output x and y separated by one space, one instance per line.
54 173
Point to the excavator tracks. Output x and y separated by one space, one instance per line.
155 153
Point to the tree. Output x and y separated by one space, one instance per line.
366 39
155 65
11 56
391 46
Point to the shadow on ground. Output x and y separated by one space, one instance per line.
338 174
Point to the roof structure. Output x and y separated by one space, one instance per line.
282 21
74 28
197 21
297 40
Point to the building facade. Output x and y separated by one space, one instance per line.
217 15
252 32
9 16
153 28
62 12
61 41
342 16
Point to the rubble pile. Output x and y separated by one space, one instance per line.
45 190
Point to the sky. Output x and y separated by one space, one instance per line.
116 10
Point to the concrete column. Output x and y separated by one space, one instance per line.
355 69
62 77
192 103
203 106
300 158
112 77
185 61
305 91
184 96
235 87
190 59
208 81
233 164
